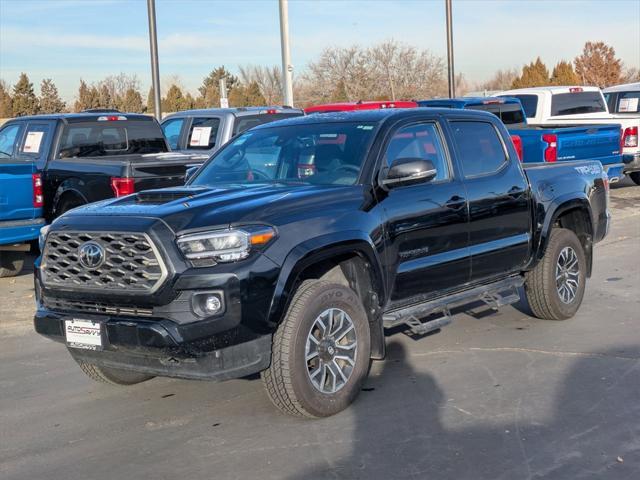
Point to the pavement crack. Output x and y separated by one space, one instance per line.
557 353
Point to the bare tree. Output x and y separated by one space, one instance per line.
501 80
268 79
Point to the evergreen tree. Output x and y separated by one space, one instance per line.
88 97
6 102
105 100
50 101
533 75
210 89
174 101
25 101
563 74
246 96
132 101
150 108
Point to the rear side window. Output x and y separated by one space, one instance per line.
628 102
8 139
576 103
246 122
101 139
529 104
203 133
419 141
479 148
171 130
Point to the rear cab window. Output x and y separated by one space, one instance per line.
479 148
577 103
529 104
110 138
245 122
509 113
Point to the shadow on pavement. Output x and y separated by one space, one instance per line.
593 432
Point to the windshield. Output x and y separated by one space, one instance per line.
321 154
576 103
100 139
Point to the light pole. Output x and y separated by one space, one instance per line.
155 72
451 74
287 68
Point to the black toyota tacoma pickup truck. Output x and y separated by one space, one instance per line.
293 248
94 155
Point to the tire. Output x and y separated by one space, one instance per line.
635 177
288 380
67 203
112 376
11 263
547 297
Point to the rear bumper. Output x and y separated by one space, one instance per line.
631 162
18 231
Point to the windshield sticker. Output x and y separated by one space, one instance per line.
32 142
200 137
628 105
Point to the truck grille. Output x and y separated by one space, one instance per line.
105 261
99 308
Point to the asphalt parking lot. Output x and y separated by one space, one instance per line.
494 396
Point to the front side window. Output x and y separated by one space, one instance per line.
576 103
420 141
8 139
171 130
36 138
478 146
320 154
203 133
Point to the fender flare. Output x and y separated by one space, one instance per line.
69 186
316 250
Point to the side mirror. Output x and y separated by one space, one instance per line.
405 171
191 169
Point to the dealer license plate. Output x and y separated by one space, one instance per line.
83 334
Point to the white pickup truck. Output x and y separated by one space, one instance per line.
576 105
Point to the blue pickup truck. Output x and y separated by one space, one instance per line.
549 143
21 204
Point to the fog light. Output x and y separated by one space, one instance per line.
212 304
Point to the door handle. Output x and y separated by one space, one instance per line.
515 192
455 203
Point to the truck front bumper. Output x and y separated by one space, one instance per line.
158 347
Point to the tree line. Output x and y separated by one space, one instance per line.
390 70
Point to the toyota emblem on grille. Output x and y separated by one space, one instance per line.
91 255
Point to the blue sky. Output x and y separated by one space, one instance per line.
69 39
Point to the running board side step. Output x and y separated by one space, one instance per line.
495 295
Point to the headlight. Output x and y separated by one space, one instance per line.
42 238
223 245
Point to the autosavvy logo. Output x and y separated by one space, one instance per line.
78 330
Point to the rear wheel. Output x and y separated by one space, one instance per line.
555 287
635 177
320 353
67 203
11 263
112 376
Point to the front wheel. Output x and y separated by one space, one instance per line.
555 287
11 263
321 351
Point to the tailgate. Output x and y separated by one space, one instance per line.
16 190
160 170
591 142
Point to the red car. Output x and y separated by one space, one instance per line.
351 106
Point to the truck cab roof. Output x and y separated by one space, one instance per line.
88 117
360 105
235 111
464 102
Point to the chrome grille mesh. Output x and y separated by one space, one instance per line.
131 262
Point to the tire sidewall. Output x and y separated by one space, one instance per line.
567 238
315 402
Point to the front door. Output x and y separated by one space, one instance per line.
426 223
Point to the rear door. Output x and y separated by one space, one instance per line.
426 223
16 192
498 196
